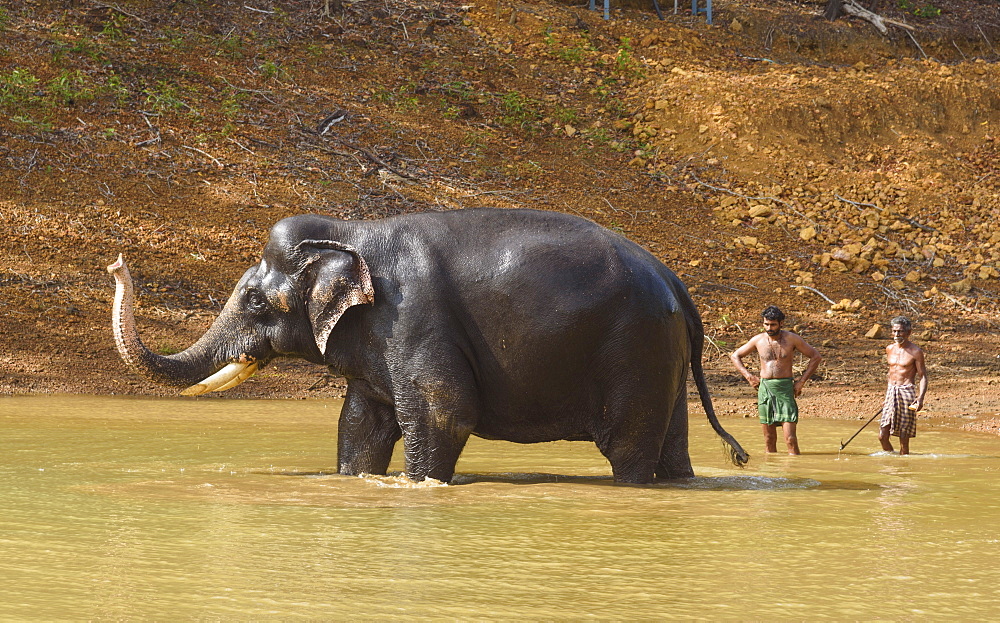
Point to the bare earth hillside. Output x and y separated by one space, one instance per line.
772 157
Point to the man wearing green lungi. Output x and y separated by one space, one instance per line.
776 389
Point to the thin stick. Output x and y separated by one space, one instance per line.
964 57
990 43
916 44
206 154
843 444
825 297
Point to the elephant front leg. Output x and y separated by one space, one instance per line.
367 432
436 422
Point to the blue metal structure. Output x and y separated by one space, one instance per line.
694 9
656 5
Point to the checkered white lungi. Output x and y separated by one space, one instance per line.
901 420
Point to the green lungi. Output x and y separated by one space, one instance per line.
776 401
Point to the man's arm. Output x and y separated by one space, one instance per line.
737 358
921 370
814 361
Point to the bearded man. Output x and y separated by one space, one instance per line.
776 389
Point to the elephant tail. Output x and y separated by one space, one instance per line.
737 455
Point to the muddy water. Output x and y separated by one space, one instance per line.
116 508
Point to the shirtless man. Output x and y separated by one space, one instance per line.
902 399
776 392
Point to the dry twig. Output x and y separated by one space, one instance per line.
825 297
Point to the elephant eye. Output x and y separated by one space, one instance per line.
256 301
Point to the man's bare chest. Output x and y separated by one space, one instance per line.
773 350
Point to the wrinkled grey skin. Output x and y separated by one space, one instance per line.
520 325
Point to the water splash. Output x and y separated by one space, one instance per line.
401 481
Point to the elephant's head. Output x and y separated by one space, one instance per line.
287 305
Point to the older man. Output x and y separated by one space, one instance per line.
902 397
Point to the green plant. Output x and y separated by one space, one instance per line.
163 97
407 101
116 88
478 139
232 105
88 48
177 40
516 109
17 87
270 70
113 27
645 150
600 135
402 97
566 115
928 10
44 126
463 90
626 63
572 54
71 87
230 46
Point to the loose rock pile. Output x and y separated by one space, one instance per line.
890 172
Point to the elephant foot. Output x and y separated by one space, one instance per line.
675 470
673 476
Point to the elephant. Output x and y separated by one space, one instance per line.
508 324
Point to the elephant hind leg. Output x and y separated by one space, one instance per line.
631 442
675 461
633 468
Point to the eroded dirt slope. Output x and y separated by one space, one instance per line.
773 157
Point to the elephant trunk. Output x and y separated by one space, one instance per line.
188 368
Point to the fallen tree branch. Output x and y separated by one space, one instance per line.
876 20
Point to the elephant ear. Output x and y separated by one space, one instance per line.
335 278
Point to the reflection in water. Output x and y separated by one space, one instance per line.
121 508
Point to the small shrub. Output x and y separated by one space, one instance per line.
626 63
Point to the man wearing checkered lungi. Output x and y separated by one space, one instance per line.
907 386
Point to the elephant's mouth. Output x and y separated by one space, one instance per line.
228 377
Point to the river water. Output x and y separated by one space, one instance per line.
127 508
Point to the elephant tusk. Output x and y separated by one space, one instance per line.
242 376
230 376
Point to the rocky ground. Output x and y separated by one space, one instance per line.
772 157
